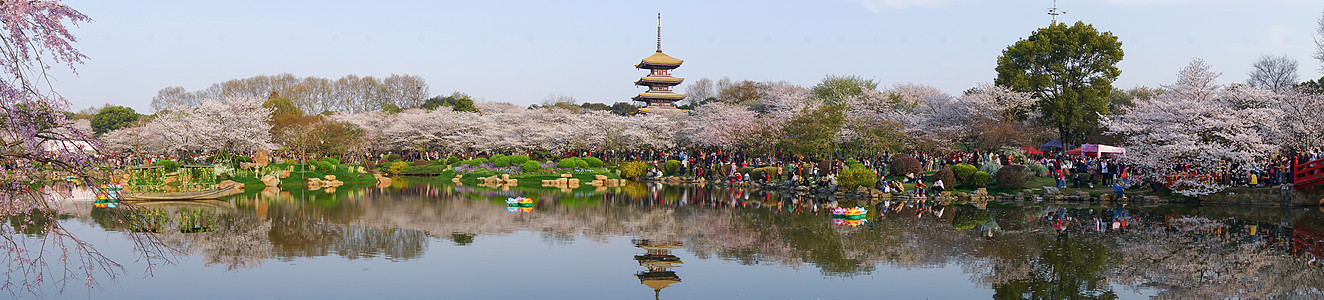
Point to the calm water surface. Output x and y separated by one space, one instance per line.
430 239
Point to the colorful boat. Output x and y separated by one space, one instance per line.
519 202
107 196
855 213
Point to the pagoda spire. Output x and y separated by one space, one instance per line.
659 32
659 80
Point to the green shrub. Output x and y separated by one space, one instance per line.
566 163
980 179
1010 177
531 166
593 162
243 159
903 164
518 159
1038 169
851 163
424 170
168 165
581 163
394 157
633 169
397 167
452 160
745 170
480 160
324 166
947 176
671 167
501 161
332 159
990 168
439 162
962 172
852 178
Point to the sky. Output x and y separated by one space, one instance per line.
523 51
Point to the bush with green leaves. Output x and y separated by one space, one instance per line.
634 169
332 159
851 163
452 160
581 163
980 179
671 167
990 168
962 172
531 166
500 161
324 166
593 162
394 157
167 165
1038 169
903 164
566 163
439 162
1010 177
855 177
424 170
518 159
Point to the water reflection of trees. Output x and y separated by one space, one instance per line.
1006 248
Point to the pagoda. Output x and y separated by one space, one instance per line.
658 260
659 81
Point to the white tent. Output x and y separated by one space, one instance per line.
1096 150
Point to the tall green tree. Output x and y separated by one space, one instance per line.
456 101
835 89
1069 70
113 117
814 132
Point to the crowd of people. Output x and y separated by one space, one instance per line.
724 165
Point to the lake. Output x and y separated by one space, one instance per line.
423 238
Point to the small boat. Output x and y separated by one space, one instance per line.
519 202
166 196
856 213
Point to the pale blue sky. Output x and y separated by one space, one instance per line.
521 51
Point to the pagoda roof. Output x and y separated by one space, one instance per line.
660 96
659 60
662 80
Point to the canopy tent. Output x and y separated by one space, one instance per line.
1053 144
1096 150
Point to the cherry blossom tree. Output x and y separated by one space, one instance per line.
1302 129
1199 123
36 37
230 124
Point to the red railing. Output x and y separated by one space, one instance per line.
1306 240
1308 174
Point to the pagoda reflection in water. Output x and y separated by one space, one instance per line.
658 260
